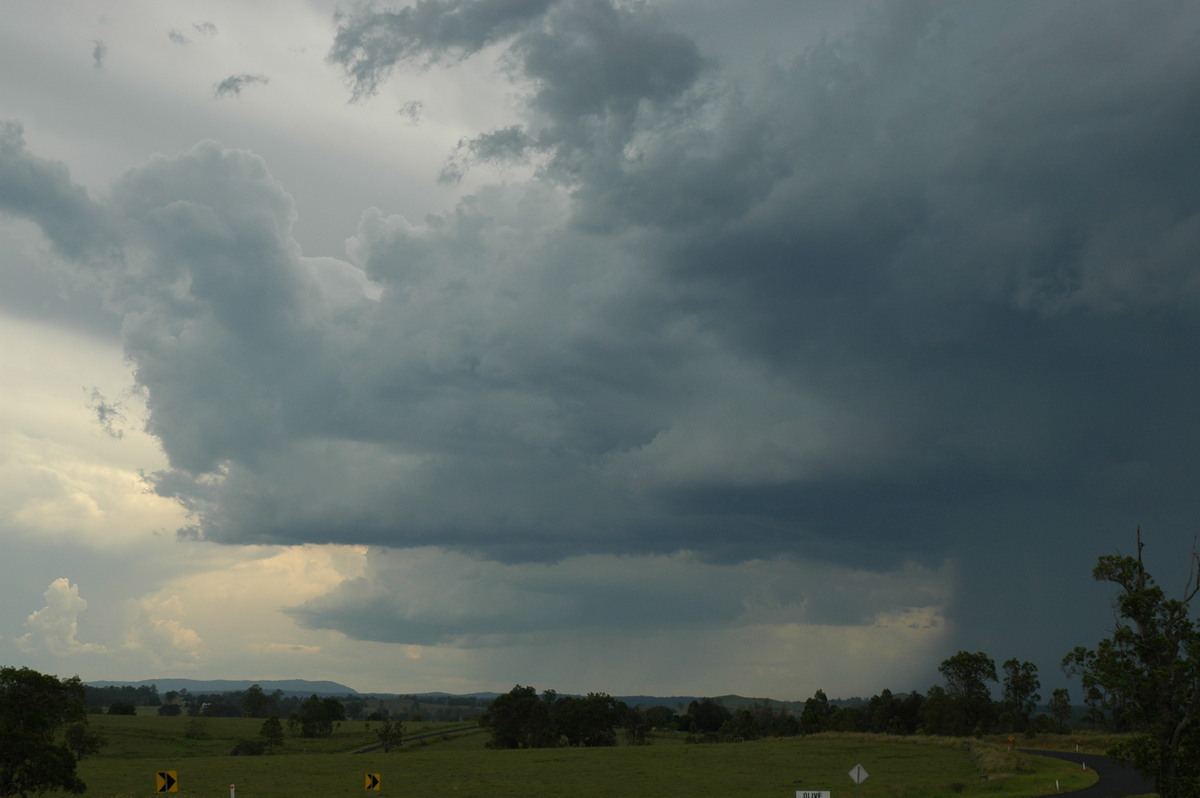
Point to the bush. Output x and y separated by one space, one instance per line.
196 729
121 708
249 748
170 710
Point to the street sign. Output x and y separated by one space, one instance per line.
166 781
813 794
859 774
373 782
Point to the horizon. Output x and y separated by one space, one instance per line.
592 344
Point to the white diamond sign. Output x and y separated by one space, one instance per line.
859 774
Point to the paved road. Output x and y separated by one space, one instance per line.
410 738
1117 780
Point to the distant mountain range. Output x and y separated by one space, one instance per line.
200 686
305 687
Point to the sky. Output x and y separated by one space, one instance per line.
674 347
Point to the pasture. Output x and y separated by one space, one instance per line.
460 765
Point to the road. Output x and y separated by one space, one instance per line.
1117 780
410 738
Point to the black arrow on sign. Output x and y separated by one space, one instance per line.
372 781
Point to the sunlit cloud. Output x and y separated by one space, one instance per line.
55 627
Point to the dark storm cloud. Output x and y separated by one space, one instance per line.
929 289
400 598
234 84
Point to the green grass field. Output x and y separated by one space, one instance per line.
461 765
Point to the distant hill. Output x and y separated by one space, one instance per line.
302 687
305 688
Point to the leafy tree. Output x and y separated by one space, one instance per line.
708 715
33 707
170 710
391 735
1060 708
519 719
122 708
659 717
256 703
1148 673
966 676
742 725
815 717
271 731
938 712
883 713
848 719
1020 692
82 741
317 716
590 721
910 712
635 725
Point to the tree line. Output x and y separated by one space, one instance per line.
521 718
962 706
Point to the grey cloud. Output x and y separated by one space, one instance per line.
109 415
177 37
210 267
42 191
99 51
400 599
508 145
371 42
205 28
234 84
411 111
595 68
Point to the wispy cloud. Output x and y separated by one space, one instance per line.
234 84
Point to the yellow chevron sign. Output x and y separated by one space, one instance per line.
166 781
373 782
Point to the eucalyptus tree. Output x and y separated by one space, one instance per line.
1147 673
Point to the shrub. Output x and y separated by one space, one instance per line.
249 748
196 729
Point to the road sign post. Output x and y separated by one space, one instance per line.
859 775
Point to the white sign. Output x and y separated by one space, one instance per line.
813 794
859 774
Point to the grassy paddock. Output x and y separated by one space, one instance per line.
461 766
